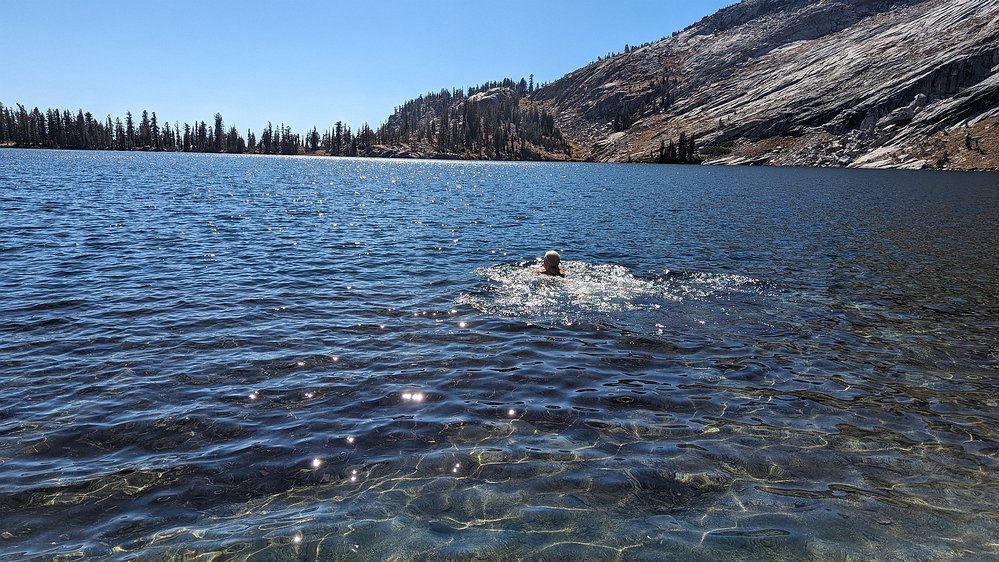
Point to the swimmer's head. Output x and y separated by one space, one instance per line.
552 259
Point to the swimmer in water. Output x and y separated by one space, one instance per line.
550 265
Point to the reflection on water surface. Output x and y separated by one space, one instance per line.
341 359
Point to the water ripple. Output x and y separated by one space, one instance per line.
248 357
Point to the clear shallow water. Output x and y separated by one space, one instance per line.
352 359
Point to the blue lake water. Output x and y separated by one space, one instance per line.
302 358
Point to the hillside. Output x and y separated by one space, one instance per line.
493 121
874 83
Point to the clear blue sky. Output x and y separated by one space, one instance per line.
303 63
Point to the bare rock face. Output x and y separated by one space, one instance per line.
797 82
492 98
903 114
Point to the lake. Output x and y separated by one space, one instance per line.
318 358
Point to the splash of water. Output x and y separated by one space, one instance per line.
591 291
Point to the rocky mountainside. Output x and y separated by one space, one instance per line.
875 83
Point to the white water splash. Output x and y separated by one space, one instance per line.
590 289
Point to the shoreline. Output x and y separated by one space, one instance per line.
458 158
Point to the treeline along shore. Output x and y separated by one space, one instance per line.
494 121
65 129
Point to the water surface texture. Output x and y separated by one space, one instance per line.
301 358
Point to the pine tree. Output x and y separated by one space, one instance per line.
144 137
201 138
235 143
80 126
314 140
170 136
119 134
338 139
218 138
154 131
129 131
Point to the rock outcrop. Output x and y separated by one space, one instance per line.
873 83
406 151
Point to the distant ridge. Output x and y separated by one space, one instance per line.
872 83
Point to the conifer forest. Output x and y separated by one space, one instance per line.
491 121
